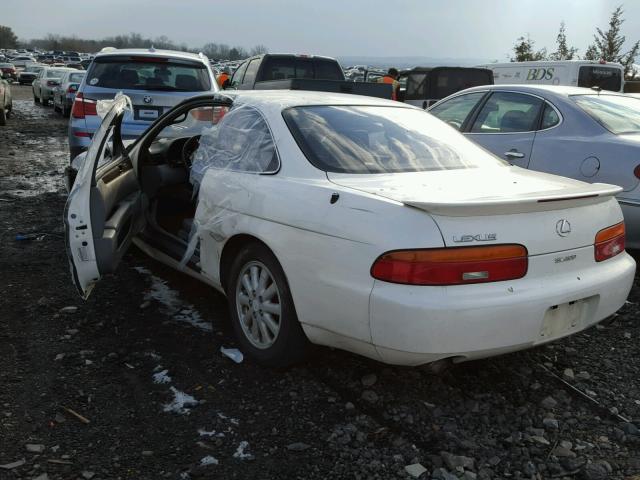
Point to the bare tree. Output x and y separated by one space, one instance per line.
8 39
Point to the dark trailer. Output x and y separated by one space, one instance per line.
426 85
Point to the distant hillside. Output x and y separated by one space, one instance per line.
408 62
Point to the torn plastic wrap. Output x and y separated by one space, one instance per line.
241 142
103 106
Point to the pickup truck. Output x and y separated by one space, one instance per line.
299 72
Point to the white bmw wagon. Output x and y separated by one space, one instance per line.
353 222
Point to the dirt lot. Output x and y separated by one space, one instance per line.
131 384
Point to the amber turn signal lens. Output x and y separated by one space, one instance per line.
609 242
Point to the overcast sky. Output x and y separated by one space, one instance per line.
436 28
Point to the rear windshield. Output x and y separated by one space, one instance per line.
76 77
367 139
6 65
607 78
142 73
55 73
281 68
618 114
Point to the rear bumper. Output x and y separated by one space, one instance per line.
416 325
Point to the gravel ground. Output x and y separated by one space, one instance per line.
131 384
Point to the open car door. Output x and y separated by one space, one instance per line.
104 208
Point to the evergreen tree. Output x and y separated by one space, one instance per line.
524 51
563 52
609 43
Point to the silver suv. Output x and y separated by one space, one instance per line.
155 80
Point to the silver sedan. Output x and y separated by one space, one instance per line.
574 132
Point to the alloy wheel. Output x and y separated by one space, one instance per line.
258 304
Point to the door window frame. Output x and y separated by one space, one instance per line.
472 113
560 117
538 123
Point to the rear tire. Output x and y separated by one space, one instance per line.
65 112
272 339
36 100
44 101
3 117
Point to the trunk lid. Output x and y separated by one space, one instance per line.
543 212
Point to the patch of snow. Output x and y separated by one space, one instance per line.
212 433
209 460
235 421
232 353
162 377
173 305
181 403
240 451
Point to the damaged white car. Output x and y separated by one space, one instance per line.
353 222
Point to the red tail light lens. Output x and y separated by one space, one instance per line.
609 242
452 266
72 89
83 107
636 171
209 114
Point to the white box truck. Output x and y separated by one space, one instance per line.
577 73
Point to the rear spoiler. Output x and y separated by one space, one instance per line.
590 194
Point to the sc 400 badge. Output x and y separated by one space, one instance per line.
479 237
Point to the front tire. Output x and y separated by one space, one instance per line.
262 310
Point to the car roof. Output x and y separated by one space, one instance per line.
295 98
151 53
553 90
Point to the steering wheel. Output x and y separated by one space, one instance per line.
188 149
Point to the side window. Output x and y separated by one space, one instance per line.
252 70
236 79
455 111
241 142
550 117
508 112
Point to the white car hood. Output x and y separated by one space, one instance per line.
478 191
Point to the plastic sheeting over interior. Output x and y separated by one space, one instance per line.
240 142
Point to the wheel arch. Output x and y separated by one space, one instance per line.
231 248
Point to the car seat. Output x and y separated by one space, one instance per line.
129 77
186 82
515 121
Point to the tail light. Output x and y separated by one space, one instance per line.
72 89
83 107
636 171
209 114
452 266
52 83
609 242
